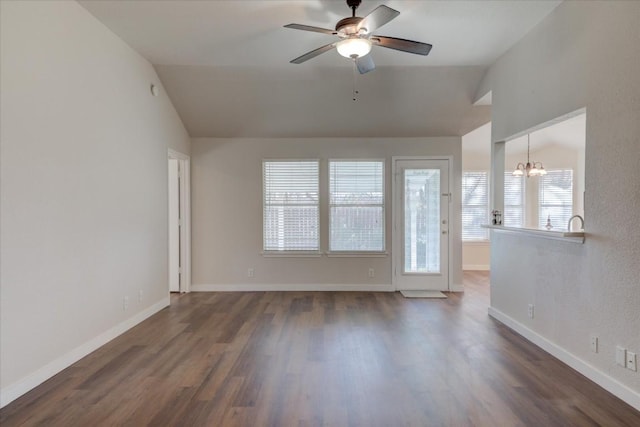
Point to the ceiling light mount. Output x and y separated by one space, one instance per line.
348 27
531 168
353 4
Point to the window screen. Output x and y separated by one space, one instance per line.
356 206
290 205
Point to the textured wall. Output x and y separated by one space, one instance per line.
585 54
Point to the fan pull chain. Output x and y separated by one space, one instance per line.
355 74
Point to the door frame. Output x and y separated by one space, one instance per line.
184 174
395 249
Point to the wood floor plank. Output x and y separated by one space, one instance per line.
321 359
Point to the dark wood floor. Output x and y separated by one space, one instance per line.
321 358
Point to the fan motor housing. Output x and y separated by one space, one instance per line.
348 26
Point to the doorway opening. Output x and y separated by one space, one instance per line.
179 205
421 242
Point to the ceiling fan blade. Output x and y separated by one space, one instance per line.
309 55
376 19
365 64
310 28
403 45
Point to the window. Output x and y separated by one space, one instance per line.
290 205
513 200
555 198
475 205
356 206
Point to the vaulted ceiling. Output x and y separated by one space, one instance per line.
225 64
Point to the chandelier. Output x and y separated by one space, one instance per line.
531 168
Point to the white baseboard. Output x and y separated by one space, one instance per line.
270 287
610 384
472 267
17 389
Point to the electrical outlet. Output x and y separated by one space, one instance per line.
125 303
140 295
621 356
250 272
594 343
372 272
530 311
631 361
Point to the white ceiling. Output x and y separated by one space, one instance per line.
250 33
569 133
295 102
242 39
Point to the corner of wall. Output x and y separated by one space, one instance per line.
10 393
605 381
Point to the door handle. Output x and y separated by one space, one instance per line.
444 231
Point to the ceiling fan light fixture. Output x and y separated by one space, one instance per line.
354 47
355 38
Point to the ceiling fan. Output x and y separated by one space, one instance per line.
356 38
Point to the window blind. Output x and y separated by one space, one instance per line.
475 205
555 198
514 194
356 206
290 205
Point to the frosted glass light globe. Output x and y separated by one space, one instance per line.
354 47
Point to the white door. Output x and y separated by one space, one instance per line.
174 226
421 229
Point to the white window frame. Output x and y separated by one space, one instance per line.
357 253
291 252
462 207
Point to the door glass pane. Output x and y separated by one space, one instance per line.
422 221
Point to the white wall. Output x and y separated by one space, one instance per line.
227 211
84 188
584 54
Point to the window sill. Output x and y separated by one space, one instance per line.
314 254
291 254
476 242
355 254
